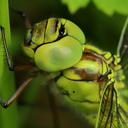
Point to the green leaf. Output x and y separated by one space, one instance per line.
107 6
74 5
111 6
9 117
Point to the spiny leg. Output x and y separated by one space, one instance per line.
10 63
7 103
7 53
9 59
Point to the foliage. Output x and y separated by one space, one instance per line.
107 6
74 5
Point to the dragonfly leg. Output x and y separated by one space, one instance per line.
7 103
7 53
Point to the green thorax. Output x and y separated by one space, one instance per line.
82 85
93 65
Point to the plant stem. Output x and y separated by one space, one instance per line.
8 117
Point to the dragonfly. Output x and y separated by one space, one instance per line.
90 80
97 85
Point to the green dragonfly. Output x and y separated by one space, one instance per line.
97 84
88 79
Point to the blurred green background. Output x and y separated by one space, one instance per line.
102 26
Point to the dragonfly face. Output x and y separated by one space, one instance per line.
58 39
90 79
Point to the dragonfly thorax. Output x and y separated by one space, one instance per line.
91 67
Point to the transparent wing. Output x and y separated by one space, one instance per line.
122 49
110 114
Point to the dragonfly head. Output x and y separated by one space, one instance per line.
54 44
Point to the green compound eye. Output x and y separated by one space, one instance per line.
54 44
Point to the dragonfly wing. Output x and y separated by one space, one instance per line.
110 115
123 117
